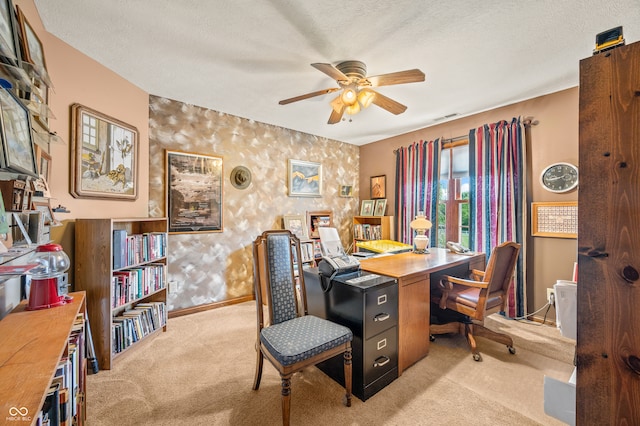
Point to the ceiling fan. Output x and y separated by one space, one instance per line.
357 89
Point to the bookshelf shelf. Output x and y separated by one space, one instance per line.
55 339
121 264
367 228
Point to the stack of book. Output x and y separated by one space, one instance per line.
135 283
138 248
367 232
135 324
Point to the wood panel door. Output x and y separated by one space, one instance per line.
608 343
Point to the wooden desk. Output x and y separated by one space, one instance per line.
414 273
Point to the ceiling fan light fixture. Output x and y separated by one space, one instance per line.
349 96
365 97
353 108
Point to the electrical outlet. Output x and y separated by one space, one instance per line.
551 296
172 287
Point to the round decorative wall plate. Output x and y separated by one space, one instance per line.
240 177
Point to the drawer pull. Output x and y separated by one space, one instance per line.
383 360
382 344
381 317
382 299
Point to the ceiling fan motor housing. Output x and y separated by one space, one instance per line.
356 70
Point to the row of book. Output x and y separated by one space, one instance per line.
134 324
63 405
367 232
138 248
135 283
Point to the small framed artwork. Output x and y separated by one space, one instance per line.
9 46
381 206
31 46
104 156
40 187
297 225
346 191
44 164
18 150
367 208
305 179
194 192
379 187
45 208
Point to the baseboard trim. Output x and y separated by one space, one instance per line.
208 306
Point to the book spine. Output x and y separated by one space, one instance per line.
119 248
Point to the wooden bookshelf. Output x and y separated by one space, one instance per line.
367 228
94 273
32 344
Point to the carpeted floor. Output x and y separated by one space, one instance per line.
200 372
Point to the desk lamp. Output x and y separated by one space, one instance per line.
53 262
420 241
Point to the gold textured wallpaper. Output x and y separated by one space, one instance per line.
210 267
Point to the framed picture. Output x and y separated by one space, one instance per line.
18 150
40 187
9 45
554 219
44 163
367 208
104 156
346 191
45 208
32 50
379 186
318 219
297 225
305 179
380 208
194 192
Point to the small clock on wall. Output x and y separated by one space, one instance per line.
559 177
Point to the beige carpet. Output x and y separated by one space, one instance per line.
200 372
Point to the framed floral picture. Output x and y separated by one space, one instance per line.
305 179
104 156
381 206
367 208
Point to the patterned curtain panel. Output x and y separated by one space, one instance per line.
416 185
498 195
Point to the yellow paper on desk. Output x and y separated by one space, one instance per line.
384 246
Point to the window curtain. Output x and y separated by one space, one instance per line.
498 196
416 185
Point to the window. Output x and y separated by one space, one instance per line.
452 223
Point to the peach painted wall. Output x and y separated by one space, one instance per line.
553 139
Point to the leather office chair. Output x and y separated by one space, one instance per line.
464 303
289 338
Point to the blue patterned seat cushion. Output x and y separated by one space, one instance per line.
303 337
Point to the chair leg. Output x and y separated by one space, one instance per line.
347 376
505 339
286 400
468 332
258 375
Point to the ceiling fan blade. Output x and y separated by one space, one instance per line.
400 77
331 71
309 95
337 109
388 104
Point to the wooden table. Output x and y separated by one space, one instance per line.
414 273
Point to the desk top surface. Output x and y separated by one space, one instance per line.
405 264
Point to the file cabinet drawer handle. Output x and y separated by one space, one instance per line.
381 317
383 360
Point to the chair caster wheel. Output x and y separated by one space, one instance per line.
477 357
432 338
512 350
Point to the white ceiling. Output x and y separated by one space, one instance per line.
242 56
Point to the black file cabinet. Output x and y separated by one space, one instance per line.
370 309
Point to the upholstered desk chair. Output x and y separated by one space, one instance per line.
289 338
464 303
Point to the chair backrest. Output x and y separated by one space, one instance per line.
500 270
276 255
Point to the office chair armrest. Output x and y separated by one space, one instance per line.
477 275
461 281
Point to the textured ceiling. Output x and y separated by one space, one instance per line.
241 57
